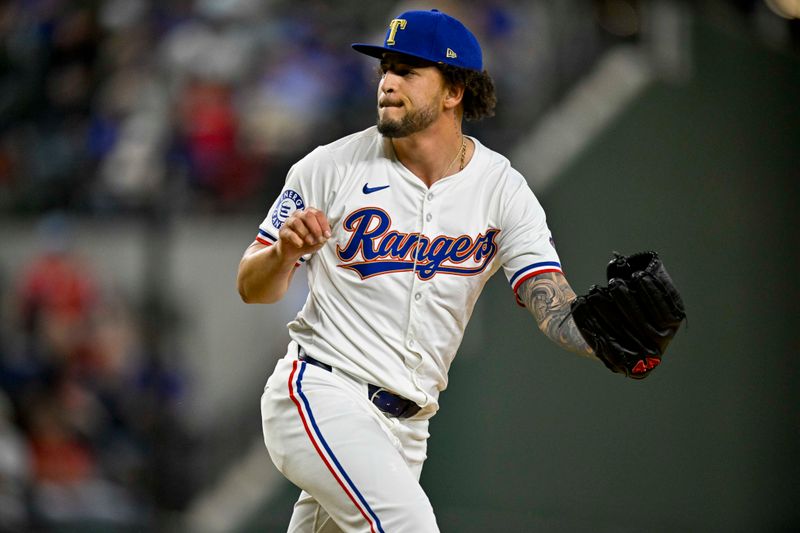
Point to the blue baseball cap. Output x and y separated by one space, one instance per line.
430 35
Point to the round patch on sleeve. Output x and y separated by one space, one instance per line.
290 201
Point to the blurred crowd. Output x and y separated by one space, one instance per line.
114 105
89 431
109 106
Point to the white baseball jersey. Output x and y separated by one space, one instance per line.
392 290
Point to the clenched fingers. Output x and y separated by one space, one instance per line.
305 231
316 224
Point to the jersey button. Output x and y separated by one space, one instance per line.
417 296
430 196
428 217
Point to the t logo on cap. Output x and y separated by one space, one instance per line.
394 25
429 35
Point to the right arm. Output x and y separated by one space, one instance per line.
266 271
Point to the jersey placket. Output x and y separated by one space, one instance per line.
417 295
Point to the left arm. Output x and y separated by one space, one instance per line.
548 297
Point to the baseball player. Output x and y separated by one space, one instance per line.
399 227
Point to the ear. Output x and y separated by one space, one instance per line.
453 95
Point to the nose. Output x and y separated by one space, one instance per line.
388 82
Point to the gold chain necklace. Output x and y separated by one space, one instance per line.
461 152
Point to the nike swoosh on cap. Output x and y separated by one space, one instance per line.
369 190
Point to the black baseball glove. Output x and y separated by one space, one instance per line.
630 323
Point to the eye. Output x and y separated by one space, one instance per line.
399 70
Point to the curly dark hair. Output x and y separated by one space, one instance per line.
479 96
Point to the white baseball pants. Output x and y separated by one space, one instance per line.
358 468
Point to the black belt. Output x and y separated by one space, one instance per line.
389 403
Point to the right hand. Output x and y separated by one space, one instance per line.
304 232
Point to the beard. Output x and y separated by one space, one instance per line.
412 122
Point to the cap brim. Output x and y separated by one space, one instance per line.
378 51
370 49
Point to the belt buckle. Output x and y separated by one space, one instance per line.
378 390
392 404
383 402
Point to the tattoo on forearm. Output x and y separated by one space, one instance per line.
548 298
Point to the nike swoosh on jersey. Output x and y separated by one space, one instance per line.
369 190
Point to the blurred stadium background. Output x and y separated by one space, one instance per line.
142 141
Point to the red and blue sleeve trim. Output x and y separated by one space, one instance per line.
265 238
531 271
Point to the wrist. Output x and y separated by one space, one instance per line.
285 260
